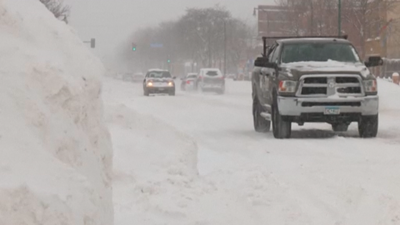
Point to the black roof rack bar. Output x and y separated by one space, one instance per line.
288 37
265 47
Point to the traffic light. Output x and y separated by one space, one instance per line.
134 47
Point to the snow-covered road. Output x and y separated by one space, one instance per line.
195 159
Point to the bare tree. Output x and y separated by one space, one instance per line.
58 8
361 19
199 36
310 17
240 35
367 18
203 31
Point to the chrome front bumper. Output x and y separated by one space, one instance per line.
295 106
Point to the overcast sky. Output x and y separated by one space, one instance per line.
112 21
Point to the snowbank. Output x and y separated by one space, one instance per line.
154 166
55 152
388 95
157 181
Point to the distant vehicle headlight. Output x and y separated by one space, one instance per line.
170 84
149 84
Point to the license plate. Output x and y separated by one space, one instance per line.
332 111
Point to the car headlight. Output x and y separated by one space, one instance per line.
287 86
170 84
149 84
370 86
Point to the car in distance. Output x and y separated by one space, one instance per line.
158 81
211 79
189 82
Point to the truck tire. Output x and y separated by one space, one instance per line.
261 125
282 129
368 126
340 127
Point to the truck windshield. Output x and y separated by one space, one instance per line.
319 52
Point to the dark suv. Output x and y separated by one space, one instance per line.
314 79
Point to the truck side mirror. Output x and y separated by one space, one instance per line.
261 62
374 61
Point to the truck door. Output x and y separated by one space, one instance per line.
266 81
273 75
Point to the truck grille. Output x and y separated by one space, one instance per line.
329 85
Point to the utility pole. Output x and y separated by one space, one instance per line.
209 48
340 18
225 40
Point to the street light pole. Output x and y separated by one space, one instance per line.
225 40
340 18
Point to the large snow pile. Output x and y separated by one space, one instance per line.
55 152
155 168
157 180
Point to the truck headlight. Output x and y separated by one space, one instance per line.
287 86
370 86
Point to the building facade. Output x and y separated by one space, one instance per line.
317 18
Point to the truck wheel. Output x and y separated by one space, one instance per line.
340 127
282 129
368 126
261 125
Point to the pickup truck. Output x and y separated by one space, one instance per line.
314 79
